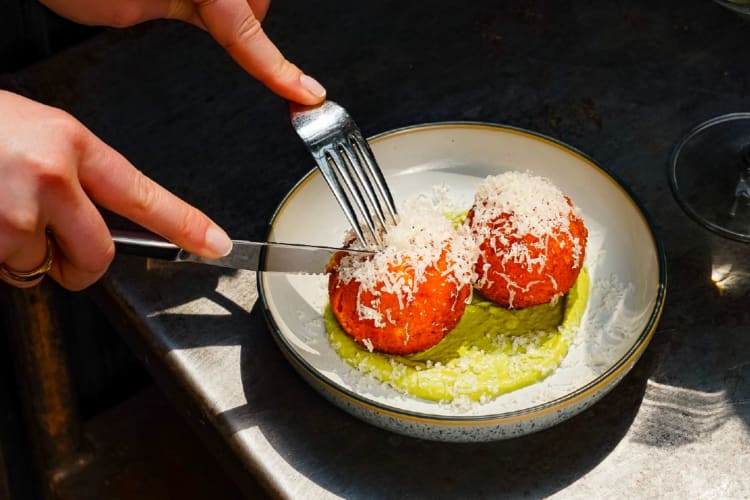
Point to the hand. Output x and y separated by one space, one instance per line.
53 170
235 24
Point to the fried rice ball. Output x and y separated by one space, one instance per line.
532 240
406 298
382 321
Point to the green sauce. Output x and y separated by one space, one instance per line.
491 351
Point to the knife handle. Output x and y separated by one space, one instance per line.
144 244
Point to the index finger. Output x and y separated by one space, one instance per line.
235 27
114 183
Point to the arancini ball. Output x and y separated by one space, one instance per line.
407 297
531 238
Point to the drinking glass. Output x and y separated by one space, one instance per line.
709 170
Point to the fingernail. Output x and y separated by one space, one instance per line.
218 242
312 86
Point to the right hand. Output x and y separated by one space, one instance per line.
234 24
53 171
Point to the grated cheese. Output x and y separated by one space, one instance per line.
510 207
419 240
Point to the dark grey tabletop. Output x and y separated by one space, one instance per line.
620 81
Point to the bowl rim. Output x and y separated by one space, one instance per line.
600 383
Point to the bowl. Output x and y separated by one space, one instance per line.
625 262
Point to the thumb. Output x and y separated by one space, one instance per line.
236 28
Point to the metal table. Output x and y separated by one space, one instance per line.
620 82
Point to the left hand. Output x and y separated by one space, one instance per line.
234 24
54 172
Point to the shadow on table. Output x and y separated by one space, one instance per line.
703 376
179 304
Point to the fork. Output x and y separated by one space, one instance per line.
349 168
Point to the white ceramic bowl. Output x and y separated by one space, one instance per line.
624 258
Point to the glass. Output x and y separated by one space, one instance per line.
709 170
710 175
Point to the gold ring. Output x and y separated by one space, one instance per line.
36 273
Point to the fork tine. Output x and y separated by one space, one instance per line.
349 167
354 195
340 194
365 184
376 177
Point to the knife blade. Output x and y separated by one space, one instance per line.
251 255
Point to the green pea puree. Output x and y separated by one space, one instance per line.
490 352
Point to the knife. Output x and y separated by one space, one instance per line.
252 255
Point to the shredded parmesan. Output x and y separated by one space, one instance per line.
419 240
517 213
534 204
